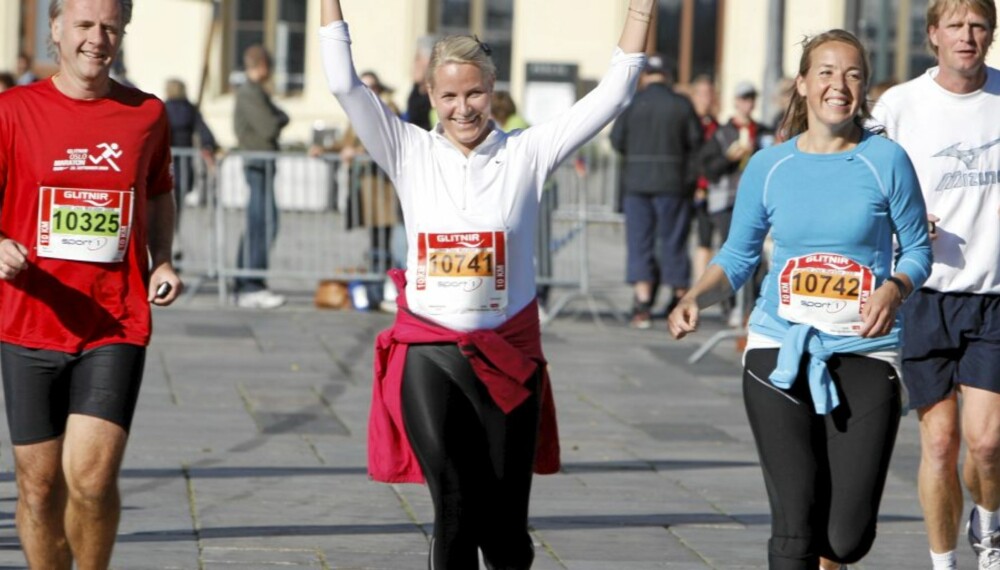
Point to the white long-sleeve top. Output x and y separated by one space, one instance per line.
496 188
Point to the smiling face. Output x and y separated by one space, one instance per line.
462 94
87 36
834 86
961 39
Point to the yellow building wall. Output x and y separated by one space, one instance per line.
381 42
10 18
584 32
745 47
385 33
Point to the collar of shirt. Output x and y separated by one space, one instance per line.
489 145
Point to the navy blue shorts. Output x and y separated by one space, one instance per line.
43 387
950 339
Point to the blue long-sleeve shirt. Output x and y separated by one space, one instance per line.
850 203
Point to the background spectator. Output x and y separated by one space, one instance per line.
658 135
258 123
723 159
186 125
25 75
6 81
705 101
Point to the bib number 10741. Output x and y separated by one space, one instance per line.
461 264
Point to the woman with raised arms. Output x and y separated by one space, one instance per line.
461 397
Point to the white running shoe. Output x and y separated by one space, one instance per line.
987 548
263 299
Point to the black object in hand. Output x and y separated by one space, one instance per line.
163 290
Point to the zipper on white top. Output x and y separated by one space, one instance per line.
466 187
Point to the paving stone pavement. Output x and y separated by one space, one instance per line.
248 451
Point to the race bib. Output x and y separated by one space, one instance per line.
826 291
84 225
462 272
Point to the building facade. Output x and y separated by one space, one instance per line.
200 42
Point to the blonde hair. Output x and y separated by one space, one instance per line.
462 49
796 119
938 8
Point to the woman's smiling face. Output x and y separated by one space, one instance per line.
462 95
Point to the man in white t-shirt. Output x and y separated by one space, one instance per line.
948 120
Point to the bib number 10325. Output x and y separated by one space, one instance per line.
84 225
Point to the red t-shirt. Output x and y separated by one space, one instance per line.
75 177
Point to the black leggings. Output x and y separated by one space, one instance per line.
476 459
824 474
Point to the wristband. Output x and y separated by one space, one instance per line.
899 285
641 16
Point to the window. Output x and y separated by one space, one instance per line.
894 33
278 25
687 35
491 20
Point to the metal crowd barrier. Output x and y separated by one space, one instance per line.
195 184
341 221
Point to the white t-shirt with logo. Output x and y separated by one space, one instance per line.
954 143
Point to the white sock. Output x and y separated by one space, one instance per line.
944 561
987 521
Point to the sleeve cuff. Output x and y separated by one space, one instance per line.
336 31
619 56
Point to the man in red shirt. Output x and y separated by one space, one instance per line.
86 224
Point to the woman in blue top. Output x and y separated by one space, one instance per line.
820 378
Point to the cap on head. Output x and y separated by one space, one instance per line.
745 90
655 64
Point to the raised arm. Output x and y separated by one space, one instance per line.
330 12
382 133
558 139
636 32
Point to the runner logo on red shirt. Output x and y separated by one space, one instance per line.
77 158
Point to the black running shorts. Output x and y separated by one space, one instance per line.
43 387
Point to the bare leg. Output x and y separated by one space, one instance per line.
981 430
92 458
825 564
41 505
643 291
937 479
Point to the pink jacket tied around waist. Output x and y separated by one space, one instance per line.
504 359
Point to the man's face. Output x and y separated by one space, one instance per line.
744 106
87 35
703 98
962 38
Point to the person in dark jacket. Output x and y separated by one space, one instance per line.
186 124
658 135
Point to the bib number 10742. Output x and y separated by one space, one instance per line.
825 284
